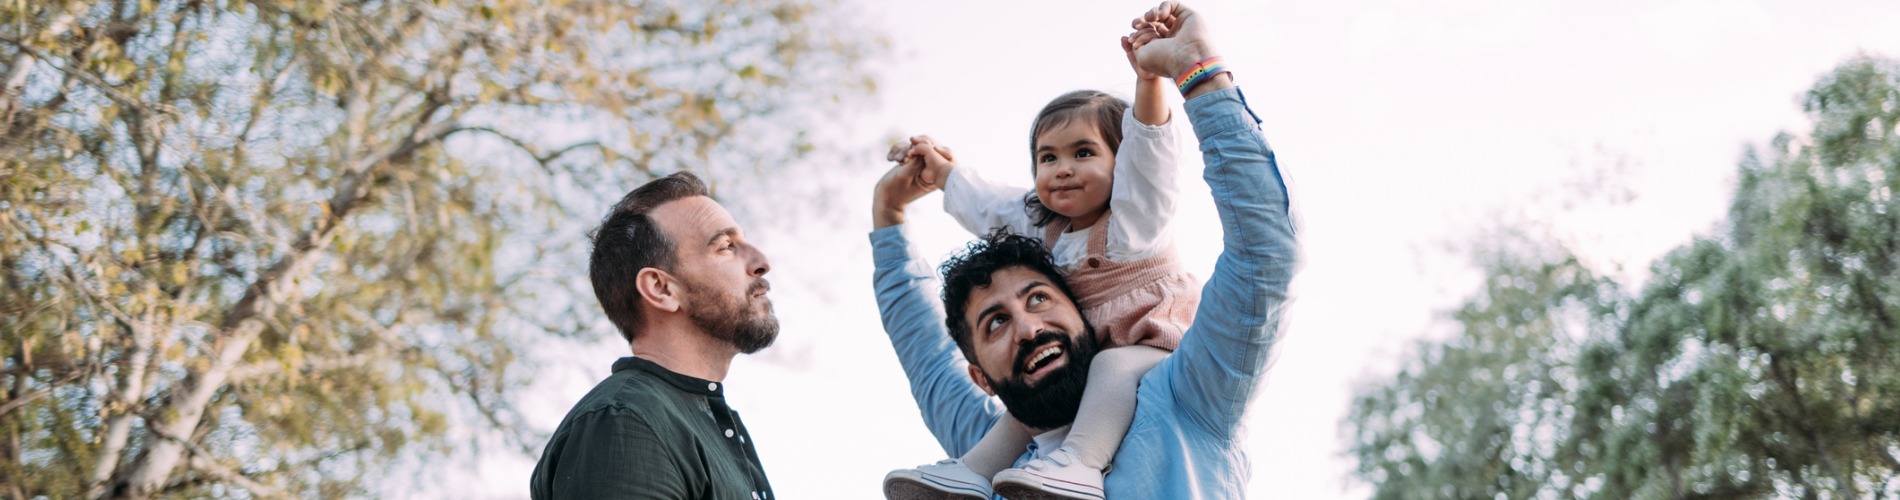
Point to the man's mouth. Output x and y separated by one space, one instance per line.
1048 355
760 287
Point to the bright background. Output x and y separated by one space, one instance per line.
1407 127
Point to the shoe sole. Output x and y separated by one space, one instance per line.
1018 491
914 489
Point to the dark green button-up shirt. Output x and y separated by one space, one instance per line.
647 432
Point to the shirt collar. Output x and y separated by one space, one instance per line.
692 385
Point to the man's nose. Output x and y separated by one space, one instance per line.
1028 327
759 265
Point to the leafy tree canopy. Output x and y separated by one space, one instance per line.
262 247
1762 361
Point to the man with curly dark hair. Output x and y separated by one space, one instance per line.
1011 328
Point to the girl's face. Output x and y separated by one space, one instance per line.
1074 171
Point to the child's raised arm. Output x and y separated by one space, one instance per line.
1151 108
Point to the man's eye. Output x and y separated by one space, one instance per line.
996 322
1038 299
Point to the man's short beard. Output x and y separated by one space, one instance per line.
730 320
1054 401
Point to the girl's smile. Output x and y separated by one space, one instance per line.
1074 172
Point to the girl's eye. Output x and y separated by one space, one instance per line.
1084 153
1045 158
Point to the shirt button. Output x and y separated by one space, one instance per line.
728 432
712 386
1094 262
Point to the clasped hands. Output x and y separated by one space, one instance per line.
1166 41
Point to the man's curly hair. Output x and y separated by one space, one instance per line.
977 263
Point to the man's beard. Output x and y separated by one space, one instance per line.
1054 400
731 320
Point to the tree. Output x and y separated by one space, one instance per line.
259 248
1763 361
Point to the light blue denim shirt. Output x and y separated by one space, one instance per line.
1190 417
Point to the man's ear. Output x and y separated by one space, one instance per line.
982 382
658 289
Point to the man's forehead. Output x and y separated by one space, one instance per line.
693 219
1005 283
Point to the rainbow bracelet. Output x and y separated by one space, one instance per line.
1200 72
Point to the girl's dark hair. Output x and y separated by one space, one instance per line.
1104 110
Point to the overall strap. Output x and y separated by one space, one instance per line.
1098 236
1052 231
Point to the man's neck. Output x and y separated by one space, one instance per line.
686 351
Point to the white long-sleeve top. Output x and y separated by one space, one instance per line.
1141 200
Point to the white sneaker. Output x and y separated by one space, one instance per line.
1059 476
948 479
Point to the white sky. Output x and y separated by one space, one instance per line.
1403 124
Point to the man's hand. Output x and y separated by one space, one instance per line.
936 166
1181 39
907 181
937 161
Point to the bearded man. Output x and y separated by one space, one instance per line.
1009 327
679 280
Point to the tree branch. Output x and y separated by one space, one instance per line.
20 402
545 159
204 462
22 66
95 82
254 371
249 316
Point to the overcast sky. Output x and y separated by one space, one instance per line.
1404 125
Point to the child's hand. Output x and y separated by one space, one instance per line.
1140 37
1182 40
937 161
900 153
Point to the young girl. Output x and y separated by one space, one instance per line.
1103 202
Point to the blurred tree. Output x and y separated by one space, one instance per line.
1761 362
261 248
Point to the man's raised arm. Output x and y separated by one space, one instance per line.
956 411
1223 356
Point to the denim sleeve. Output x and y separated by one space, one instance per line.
956 411
1225 355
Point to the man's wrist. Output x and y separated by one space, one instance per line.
1213 84
883 216
1191 52
1200 72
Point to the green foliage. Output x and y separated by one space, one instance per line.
1761 362
262 248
